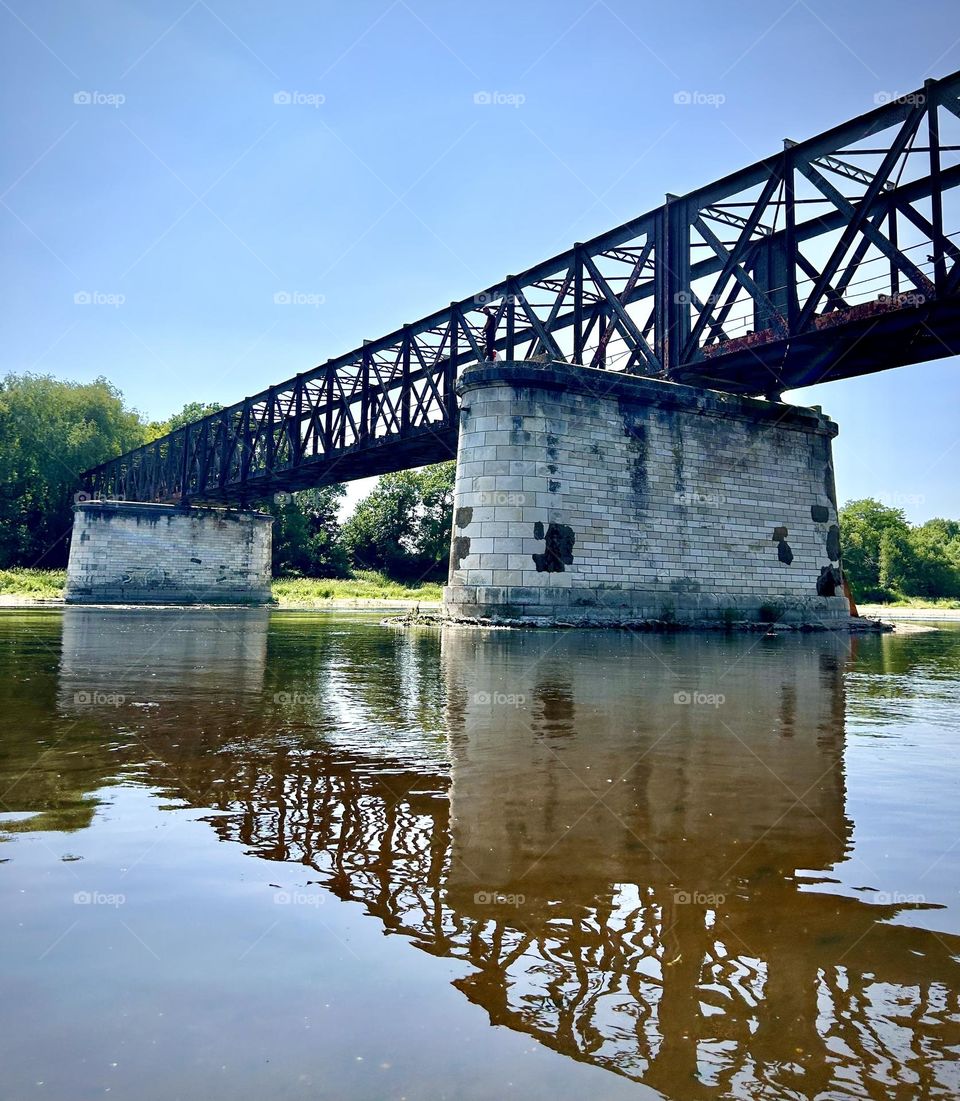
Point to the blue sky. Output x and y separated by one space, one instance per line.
182 197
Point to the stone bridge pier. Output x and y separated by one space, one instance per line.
590 498
128 552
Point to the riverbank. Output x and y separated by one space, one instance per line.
894 612
366 589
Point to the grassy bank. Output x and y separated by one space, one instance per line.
944 603
32 584
311 592
289 592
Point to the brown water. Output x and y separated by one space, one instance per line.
608 865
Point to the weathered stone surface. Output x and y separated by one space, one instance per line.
661 500
126 552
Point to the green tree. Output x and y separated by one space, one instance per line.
307 538
192 411
50 432
936 548
435 516
899 567
884 557
862 527
403 526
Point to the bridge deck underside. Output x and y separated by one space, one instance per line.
859 347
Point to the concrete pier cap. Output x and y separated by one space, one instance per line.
591 498
131 552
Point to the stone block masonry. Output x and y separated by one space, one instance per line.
591 498
125 552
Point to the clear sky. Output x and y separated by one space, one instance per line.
180 163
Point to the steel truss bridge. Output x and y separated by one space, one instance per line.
835 257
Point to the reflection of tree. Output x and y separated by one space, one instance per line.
765 990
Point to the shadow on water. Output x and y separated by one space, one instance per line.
630 839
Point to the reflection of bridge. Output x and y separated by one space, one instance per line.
623 874
835 257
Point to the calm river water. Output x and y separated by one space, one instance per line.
278 855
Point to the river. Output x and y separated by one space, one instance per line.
253 854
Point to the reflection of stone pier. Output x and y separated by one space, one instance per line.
158 658
552 751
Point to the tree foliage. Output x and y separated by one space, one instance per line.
192 411
51 431
307 537
884 557
403 526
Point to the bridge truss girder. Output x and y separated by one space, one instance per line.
828 260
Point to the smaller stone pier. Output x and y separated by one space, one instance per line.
128 552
